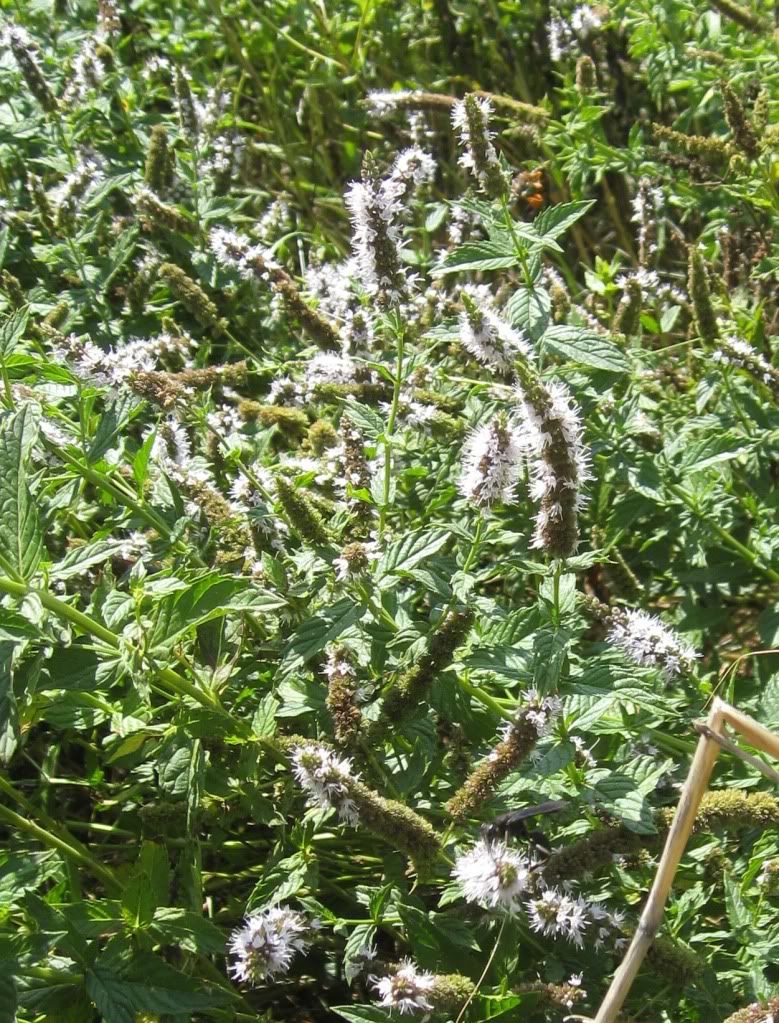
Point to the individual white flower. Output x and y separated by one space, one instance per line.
491 340
649 642
493 875
491 462
326 778
407 989
267 943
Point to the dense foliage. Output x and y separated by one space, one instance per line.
389 440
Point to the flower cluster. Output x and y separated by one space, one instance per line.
565 33
407 989
491 463
487 336
267 943
326 778
28 59
471 119
376 209
646 205
116 366
734 351
494 875
647 641
552 431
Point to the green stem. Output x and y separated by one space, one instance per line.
63 842
172 680
489 701
396 385
519 249
727 538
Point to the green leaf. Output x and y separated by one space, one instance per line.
487 255
180 762
359 939
555 220
584 347
617 791
316 632
362 1013
367 420
188 930
112 426
21 540
152 987
529 308
264 720
9 714
148 886
411 549
769 702
78 560
739 917
25 872
12 330
8 998
208 597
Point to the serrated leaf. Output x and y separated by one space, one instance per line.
316 632
78 560
529 309
367 420
584 347
153 987
555 220
209 597
264 720
12 330
410 550
21 539
188 930
738 914
360 939
486 255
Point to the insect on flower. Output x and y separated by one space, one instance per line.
513 824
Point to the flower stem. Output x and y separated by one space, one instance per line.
393 414
56 838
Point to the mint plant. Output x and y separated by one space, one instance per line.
388 441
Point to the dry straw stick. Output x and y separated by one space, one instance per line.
711 741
